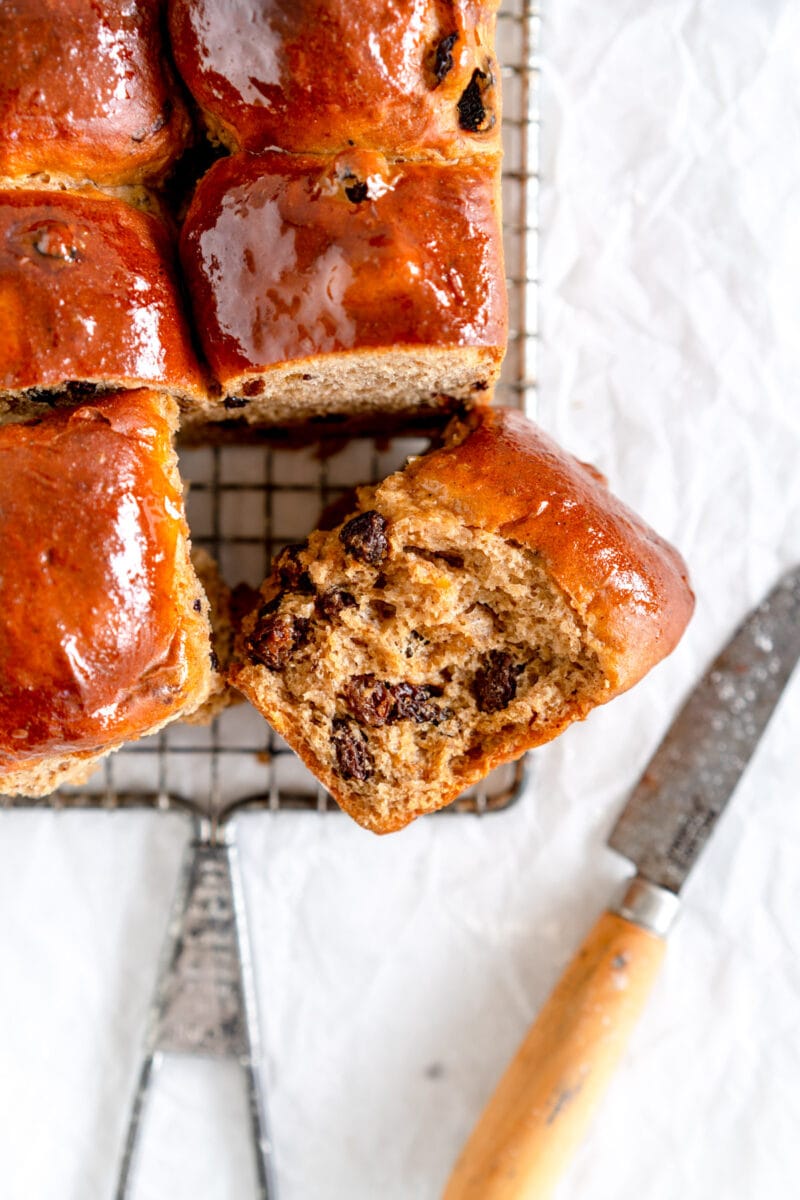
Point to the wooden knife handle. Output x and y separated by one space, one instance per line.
545 1100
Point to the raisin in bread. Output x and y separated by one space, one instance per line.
475 605
411 78
104 631
346 286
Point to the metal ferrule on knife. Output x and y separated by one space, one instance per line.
647 905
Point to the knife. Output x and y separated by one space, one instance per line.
546 1097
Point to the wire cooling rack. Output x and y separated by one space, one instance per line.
246 501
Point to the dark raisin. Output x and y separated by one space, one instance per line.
253 387
364 538
495 684
198 606
244 599
291 572
357 193
472 113
331 603
480 385
370 701
77 392
40 396
350 747
271 606
214 660
443 63
235 402
275 639
412 702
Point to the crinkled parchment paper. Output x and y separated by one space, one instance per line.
396 976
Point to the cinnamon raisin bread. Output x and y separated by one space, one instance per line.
474 605
87 92
89 301
411 78
346 286
104 631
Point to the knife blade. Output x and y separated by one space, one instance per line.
680 797
544 1101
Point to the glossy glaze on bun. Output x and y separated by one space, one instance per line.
343 285
410 78
89 299
472 607
87 92
104 632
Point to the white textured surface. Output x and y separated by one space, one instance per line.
396 976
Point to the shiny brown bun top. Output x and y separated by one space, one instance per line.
94 615
88 293
86 91
286 257
411 78
502 473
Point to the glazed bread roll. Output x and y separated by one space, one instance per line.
350 285
411 78
475 605
89 300
87 92
104 631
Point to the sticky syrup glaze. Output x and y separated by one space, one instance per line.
502 473
85 91
287 257
92 636
88 293
323 75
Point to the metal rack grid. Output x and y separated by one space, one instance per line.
246 501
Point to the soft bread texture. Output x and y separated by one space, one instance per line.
104 631
350 285
478 603
220 599
413 78
87 92
89 300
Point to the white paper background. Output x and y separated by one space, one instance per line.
396 976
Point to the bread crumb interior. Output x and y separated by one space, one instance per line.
410 670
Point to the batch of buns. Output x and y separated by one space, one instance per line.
232 214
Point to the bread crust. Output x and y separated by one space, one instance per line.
291 259
104 633
86 90
499 474
413 79
89 295
502 473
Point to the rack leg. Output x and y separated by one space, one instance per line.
204 1002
